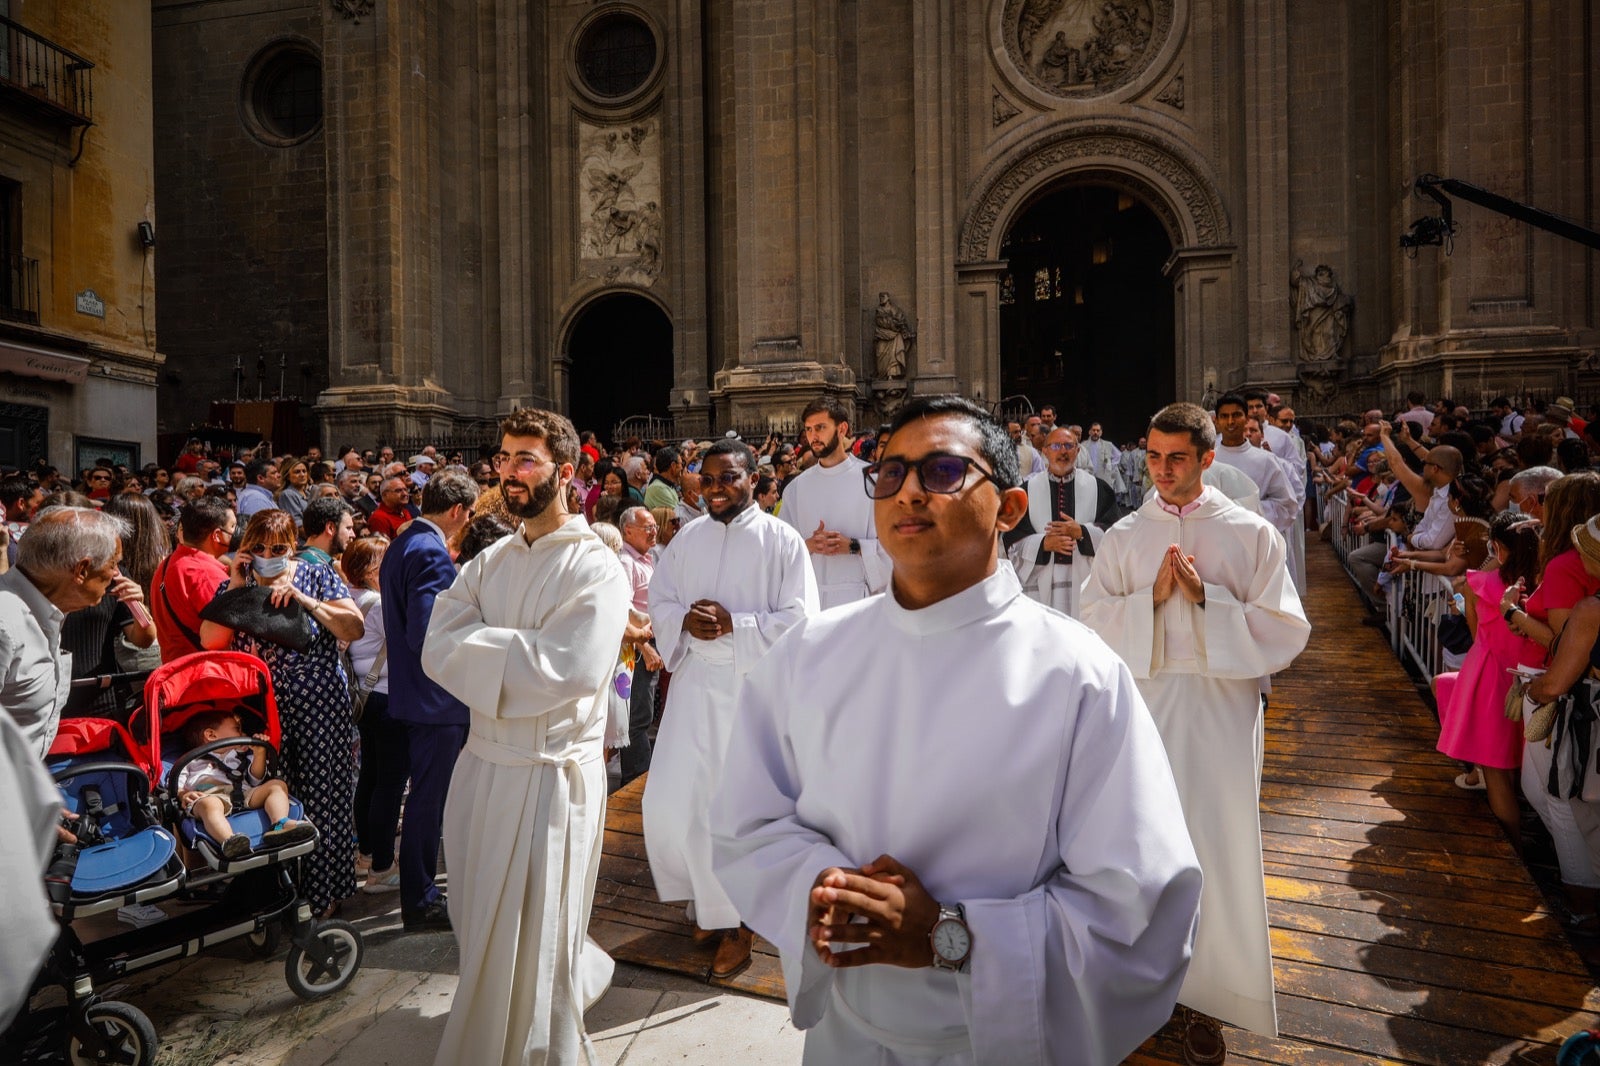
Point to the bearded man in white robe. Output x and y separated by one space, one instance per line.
527 638
825 504
947 806
726 587
1101 457
1069 510
1192 591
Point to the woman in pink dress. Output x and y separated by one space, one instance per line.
1472 722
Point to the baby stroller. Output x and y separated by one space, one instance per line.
131 856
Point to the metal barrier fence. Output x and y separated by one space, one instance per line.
1417 601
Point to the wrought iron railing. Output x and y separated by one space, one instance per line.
46 73
19 289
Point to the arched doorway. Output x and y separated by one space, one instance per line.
619 358
1086 313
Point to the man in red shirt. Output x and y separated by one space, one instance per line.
189 577
392 512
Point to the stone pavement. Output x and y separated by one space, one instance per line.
227 1008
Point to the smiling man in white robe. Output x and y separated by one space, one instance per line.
527 638
725 588
947 806
1192 591
1069 510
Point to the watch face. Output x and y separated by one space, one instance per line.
951 940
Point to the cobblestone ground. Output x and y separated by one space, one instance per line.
228 1008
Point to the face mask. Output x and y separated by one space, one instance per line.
1514 507
270 566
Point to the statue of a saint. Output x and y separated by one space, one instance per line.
890 333
1321 312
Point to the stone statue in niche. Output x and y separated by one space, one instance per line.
892 338
1321 312
1321 315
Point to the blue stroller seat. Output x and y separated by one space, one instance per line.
253 824
125 858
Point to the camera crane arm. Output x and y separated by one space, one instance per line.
1439 230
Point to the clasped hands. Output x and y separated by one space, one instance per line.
1062 536
707 620
899 915
1177 574
825 541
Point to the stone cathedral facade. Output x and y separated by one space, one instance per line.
706 212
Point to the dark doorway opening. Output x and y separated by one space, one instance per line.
1086 317
620 363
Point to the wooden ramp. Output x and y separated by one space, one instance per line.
1404 928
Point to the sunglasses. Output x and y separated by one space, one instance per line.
727 479
272 552
939 472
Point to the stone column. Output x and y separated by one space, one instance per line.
382 379
937 212
1265 135
1203 333
976 331
785 142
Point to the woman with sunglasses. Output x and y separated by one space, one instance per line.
296 481
313 695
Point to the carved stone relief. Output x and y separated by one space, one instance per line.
1206 216
1172 93
619 201
1004 110
354 9
1075 48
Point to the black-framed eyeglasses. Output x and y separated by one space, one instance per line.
939 472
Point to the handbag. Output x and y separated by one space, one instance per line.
1573 773
360 690
250 610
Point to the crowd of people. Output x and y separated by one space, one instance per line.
490 632
1505 508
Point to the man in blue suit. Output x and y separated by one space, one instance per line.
416 568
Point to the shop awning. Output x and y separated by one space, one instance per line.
43 363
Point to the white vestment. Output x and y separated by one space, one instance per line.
1102 459
1001 752
837 497
1199 669
527 638
758 568
1291 453
1133 474
1272 483
1056 581
29 808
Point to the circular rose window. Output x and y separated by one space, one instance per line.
616 54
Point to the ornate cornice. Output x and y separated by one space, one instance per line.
1186 200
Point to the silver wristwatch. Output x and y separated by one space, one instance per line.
951 939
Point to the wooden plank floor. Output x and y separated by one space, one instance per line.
1404 928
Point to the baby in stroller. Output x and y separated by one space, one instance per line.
208 785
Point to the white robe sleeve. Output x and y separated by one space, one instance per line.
766 857
514 672
1122 614
668 608
1089 964
793 599
1261 634
1278 504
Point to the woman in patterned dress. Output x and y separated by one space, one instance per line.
313 696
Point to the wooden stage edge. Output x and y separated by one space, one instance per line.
1404 927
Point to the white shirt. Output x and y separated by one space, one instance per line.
364 651
35 674
1437 527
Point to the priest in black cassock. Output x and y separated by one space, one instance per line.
1069 510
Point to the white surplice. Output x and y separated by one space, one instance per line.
527 638
1102 459
758 568
999 750
1272 483
1055 582
1291 454
1199 669
837 497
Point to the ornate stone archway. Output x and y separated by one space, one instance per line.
1133 158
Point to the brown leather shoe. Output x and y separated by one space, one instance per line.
1203 1044
733 954
702 935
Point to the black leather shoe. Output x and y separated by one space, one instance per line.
434 916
